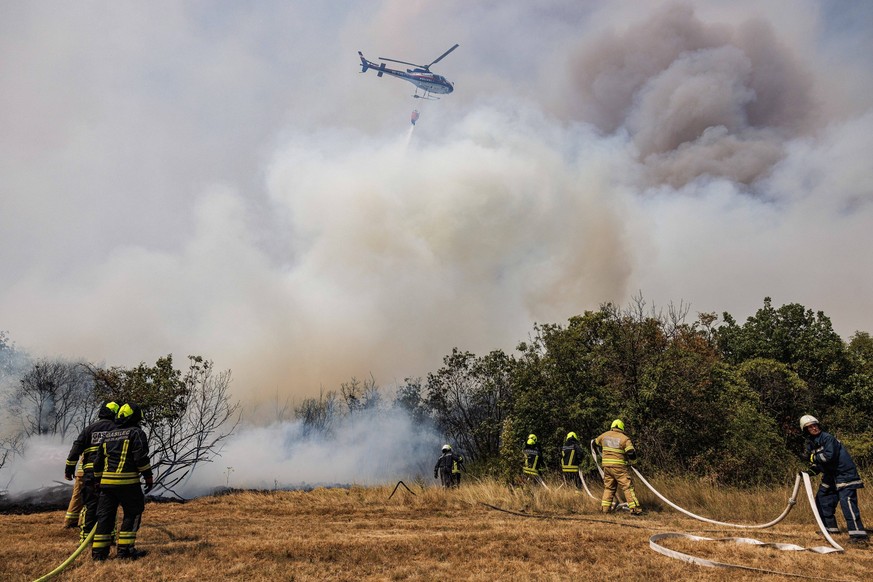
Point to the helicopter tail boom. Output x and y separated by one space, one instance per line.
367 65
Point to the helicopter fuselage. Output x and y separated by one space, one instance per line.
424 80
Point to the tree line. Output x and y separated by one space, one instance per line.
709 397
703 398
187 414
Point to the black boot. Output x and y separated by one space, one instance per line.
99 554
131 553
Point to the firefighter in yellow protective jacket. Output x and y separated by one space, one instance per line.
616 449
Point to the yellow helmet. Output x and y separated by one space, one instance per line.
531 439
572 435
617 423
129 415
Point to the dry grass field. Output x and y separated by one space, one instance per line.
361 534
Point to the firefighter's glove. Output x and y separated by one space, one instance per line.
149 485
435 475
68 474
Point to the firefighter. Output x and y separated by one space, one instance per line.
122 458
457 467
74 510
571 452
616 450
85 446
840 480
446 466
533 459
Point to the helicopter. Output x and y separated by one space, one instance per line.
424 81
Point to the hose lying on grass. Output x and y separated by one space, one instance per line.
72 557
792 501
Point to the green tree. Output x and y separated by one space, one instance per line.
797 337
853 415
784 397
469 398
410 399
187 416
751 449
560 382
160 390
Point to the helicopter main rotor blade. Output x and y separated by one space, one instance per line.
401 62
442 56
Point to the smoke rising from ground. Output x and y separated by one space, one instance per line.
40 465
222 181
365 448
368 447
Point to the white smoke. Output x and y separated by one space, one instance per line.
40 464
223 182
368 447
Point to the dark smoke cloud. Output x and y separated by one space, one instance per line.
696 99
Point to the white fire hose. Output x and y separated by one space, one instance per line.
653 541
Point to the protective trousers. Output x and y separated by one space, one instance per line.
826 500
71 518
572 478
90 498
446 477
132 502
613 476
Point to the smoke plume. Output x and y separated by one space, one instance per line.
222 181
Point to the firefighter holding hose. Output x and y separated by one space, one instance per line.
571 452
533 460
840 480
616 451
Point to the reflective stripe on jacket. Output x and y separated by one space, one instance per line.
828 455
571 452
123 456
87 443
615 446
532 460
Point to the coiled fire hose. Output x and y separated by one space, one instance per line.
72 557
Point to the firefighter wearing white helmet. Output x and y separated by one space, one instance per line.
840 480
806 420
616 450
446 465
